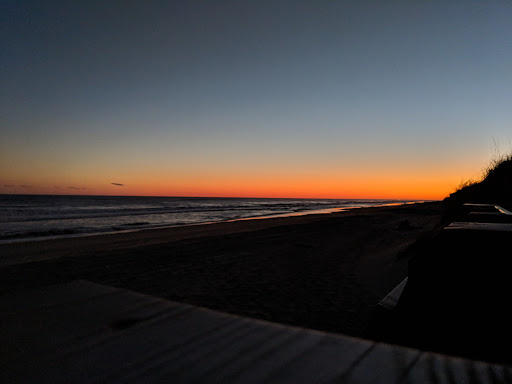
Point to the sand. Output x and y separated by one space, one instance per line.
325 271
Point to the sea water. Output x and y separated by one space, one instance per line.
34 217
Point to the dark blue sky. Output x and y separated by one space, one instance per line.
198 93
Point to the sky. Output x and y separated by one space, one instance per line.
312 99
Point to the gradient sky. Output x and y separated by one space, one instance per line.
328 99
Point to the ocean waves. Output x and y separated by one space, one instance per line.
33 217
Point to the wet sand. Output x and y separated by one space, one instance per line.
325 271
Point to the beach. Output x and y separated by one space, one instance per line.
322 271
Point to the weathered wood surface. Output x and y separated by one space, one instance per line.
478 226
83 332
485 217
488 207
391 299
488 217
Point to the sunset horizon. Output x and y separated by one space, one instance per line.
252 192
267 99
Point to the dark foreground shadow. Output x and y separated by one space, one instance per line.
457 298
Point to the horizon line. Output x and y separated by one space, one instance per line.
222 197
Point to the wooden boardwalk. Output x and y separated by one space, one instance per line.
485 217
82 332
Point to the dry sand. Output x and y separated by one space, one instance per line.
324 271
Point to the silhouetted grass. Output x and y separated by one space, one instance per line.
495 185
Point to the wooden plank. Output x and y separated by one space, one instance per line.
488 217
391 299
481 207
83 332
503 210
384 364
435 368
463 225
489 207
51 329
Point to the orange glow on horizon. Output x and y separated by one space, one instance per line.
415 182
377 187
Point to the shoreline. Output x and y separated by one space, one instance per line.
323 271
18 247
170 226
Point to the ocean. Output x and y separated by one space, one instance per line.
34 217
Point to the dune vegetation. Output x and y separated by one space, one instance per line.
494 187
